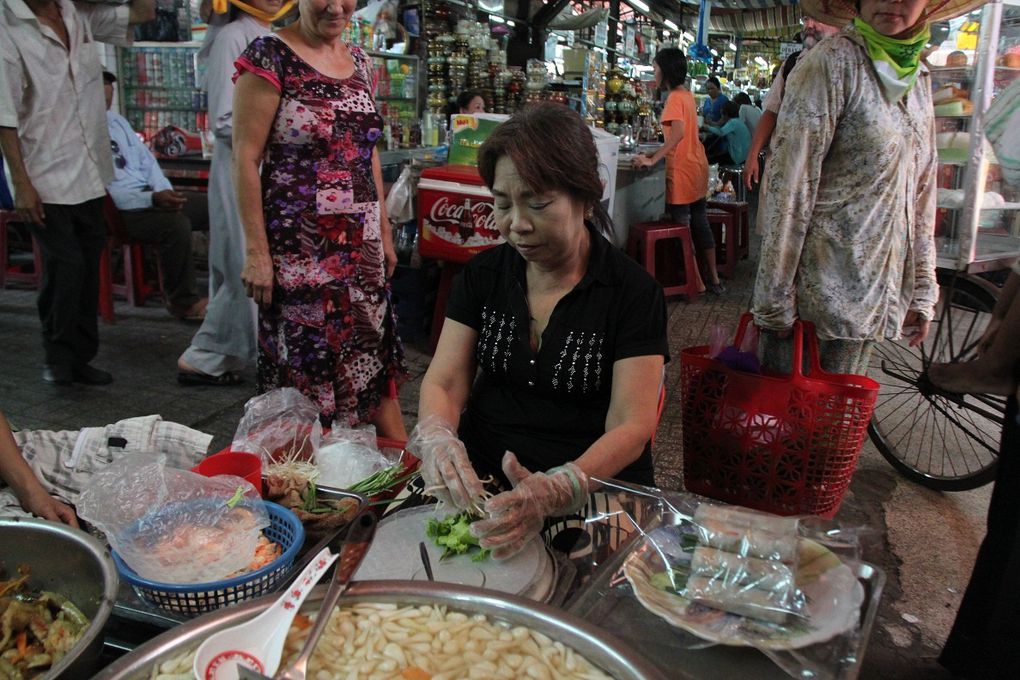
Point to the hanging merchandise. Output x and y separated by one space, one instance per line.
700 49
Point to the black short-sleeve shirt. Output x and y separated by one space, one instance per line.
549 407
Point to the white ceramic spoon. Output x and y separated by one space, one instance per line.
258 644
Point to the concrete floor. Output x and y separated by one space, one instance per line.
924 540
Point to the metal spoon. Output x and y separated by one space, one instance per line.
355 546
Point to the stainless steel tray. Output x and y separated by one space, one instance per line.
607 600
598 646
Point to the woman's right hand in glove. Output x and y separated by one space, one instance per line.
445 466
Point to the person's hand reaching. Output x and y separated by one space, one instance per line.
40 503
516 516
445 466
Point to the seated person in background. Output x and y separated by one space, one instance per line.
46 470
711 110
732 139
749 113
470 101
152 212
573 392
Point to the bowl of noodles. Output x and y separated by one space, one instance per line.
416 629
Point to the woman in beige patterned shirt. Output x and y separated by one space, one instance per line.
849 216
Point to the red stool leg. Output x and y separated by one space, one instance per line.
692 276
450 269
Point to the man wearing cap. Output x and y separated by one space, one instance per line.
152 211
53 135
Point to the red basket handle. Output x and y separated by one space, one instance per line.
799 329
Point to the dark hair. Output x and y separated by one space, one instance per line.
742 98
673 65
790 62
552 149
109 78
731 109
712 80
465 98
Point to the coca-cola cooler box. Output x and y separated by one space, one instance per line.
455 214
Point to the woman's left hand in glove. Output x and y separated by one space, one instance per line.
516 516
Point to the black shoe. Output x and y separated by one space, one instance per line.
91 376
55 374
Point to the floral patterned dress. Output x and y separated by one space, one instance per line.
330 330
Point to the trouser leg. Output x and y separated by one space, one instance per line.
71 243
170 232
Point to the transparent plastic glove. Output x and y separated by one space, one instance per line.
516 516
445 466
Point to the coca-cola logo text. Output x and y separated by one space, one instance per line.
449 215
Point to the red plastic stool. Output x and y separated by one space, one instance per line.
641 246
724 231
742 212
33 278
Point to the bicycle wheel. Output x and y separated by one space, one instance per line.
944 441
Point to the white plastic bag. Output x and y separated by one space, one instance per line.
174 526
280 425
400 200
348 456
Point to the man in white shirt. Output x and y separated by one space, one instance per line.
152 211
53 136
812 33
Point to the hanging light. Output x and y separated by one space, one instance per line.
669 24
732 47
761 62
638 4
714 52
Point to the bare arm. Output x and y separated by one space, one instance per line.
447 383
256 101
385 228
675 136
762 135
16 472
26 200
631 419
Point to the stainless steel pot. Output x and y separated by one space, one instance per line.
73 564
595 644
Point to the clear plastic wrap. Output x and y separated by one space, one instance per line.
347 456
641 544
280 425
175 526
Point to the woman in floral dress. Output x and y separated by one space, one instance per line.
319 245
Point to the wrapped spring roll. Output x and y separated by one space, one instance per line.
740 573
751 602
747 533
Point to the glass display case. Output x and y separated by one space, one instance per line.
159 87
978 218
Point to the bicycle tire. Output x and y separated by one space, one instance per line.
966 427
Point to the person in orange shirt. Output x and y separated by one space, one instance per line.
686 164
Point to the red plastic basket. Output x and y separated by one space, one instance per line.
783 444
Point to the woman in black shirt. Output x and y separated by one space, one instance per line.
569 334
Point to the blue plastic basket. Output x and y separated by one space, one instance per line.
192 599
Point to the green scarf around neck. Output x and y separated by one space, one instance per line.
897 60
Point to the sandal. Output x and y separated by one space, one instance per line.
192 379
